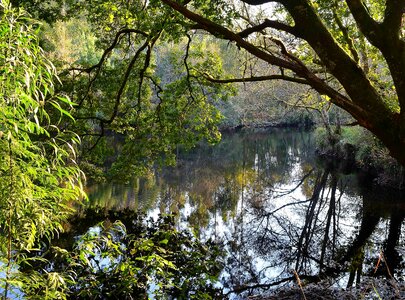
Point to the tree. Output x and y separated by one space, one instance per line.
351 52
39 178
129 95
136 257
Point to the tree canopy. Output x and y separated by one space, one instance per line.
351 52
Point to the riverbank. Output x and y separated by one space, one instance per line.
351 148
303 124
356 148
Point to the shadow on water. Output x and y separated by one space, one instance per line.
279 210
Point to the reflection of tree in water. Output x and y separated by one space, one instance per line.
138 194
314 236
278 210
386 260
213 179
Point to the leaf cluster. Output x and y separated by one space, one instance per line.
39 178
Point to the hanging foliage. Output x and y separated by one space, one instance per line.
39 178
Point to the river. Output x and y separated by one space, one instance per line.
279 209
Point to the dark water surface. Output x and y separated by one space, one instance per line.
278 209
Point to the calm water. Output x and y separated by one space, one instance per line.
277 207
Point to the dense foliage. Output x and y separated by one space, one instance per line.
144 83
152 100
39 177
350 52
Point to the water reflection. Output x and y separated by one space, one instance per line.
279 210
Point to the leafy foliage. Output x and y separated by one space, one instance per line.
350 52
127 92
39 177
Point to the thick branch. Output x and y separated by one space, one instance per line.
394 11
368 26
385 36
393 48
219 30
317 83
365 104
339 63
256 79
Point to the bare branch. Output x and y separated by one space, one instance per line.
385 36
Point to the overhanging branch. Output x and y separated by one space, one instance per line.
218 30
298 68
256 79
